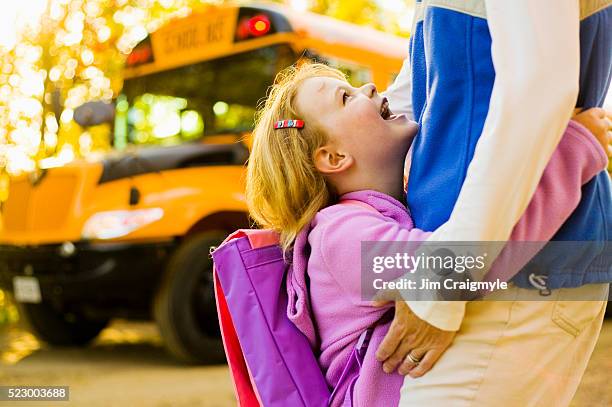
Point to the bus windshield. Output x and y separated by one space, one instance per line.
207 98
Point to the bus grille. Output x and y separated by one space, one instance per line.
42 207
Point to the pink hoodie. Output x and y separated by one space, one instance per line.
324 283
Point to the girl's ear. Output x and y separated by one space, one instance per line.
328 160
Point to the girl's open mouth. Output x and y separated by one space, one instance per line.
385 112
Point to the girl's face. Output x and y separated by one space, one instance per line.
356 120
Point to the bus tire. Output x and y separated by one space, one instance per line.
59 329
184 305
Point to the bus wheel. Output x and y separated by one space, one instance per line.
184 306
57 328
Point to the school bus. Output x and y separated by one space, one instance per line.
129 235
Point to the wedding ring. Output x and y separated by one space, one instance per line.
413 359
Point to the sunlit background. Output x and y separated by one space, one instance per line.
56 55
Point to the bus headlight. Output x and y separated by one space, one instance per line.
113 224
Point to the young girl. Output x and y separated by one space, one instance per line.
343 143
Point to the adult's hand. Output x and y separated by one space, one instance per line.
599 122
411 339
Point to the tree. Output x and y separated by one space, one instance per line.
76 54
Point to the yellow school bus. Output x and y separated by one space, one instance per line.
129 235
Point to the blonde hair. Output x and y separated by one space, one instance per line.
284 190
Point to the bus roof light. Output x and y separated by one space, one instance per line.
259 25
252 27
140 55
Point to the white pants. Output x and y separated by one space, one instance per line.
515 353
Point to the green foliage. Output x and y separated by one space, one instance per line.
76 54
362 12
8 312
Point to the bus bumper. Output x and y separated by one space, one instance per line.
101 279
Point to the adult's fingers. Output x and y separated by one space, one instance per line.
384 297
391 341
397 331
398 356
599 112
426 363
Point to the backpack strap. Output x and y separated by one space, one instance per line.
354 364
352 368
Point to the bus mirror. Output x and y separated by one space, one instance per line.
93 113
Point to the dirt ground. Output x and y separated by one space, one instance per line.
127 366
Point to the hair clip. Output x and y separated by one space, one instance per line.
286 124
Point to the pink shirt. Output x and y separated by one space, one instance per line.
324 284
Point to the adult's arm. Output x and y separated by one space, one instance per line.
576 160
535 51
399 93
579 157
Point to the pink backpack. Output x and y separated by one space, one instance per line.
270 360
